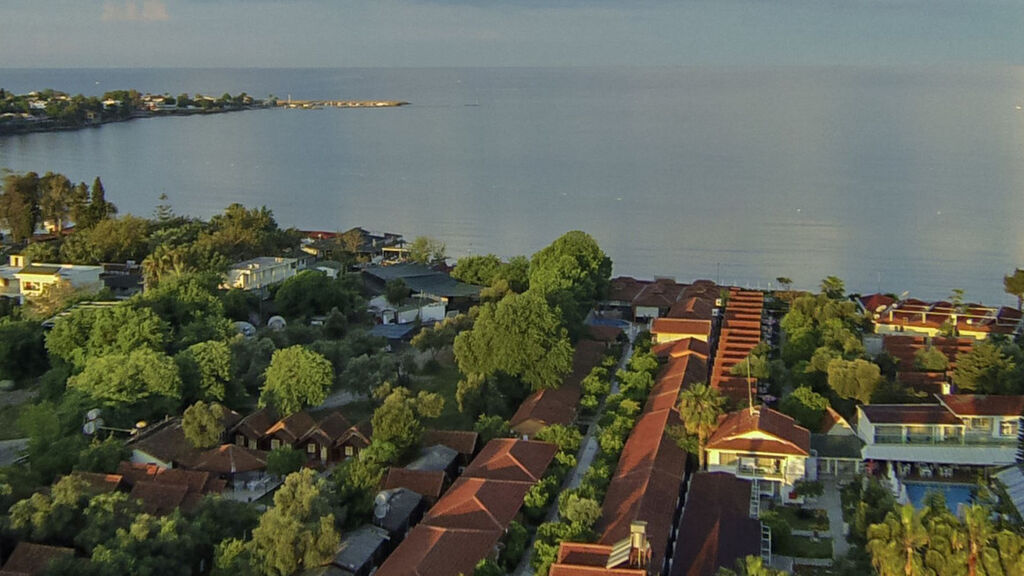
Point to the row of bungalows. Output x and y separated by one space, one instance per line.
443 456
693 316
642 300
325 440
904 348
641 506
546 407
892 316
739 335
468 522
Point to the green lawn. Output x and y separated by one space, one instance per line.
805 547
797 521
9 415
444 381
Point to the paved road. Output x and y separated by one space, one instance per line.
584 458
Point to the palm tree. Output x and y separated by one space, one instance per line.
699 407
895 544
979 532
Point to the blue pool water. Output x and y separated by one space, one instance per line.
956 494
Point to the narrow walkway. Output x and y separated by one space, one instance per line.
584 458
832 503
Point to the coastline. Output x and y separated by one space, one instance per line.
50 125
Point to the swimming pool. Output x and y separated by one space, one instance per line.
956 494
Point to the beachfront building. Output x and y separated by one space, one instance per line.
760 443
915 316
258 274
23 279
935 440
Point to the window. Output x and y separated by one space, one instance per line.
1008 428
311 448
275 444
240 440
350 451
980 424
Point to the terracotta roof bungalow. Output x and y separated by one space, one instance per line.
739 335
623 290
684 347
579 559
334 439
646 486
693 308
252 429
164 445
601 333
228 459
33 559
465 526
101 483
558 405
715 529
671 329
288 431
462 441
760 442
905 347
427 483
162 490
664 395
973 405
512 460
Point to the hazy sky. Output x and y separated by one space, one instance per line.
341 33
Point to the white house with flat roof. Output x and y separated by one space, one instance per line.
22 279
958 430
258 274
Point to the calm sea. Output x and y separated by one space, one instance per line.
898 179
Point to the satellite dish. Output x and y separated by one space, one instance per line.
92 414
245 329
92 426
276 323
381 498
380 511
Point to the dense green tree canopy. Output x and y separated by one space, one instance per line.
203 425
520 336
312 293
856 379
990 368
930 359
297 377
127 379
298 532
19 205
426 250
572 273
88 333
22 350
1013 284
206 370
806 406
109 240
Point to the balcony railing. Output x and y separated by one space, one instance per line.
925 440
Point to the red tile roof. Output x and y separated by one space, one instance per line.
909 414
646 484
979 405
512 460
100 483
478 504
875 303
576 559
427 483
662 293
462 441
830 419
683 347
789 438
681 326
715 529
289 430
558 406
231 459
255 425
33 559
157 498
603 333
693 308
166 442
433 551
